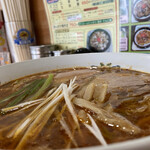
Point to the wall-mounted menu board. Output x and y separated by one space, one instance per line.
135 26
84 23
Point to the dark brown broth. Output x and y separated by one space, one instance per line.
129 86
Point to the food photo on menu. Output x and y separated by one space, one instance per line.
141 38
99 40
140 10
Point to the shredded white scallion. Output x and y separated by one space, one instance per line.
66 128
35 121
95 131
69 105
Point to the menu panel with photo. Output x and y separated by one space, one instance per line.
137 29
83 23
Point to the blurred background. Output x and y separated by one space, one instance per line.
32 29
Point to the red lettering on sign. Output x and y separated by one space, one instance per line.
93 8
85 2
55 12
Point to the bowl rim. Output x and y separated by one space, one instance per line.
8 69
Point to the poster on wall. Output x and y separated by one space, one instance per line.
135 26
92 24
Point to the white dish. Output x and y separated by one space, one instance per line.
138 62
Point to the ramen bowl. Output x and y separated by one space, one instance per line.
139 62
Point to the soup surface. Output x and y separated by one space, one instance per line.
75 107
